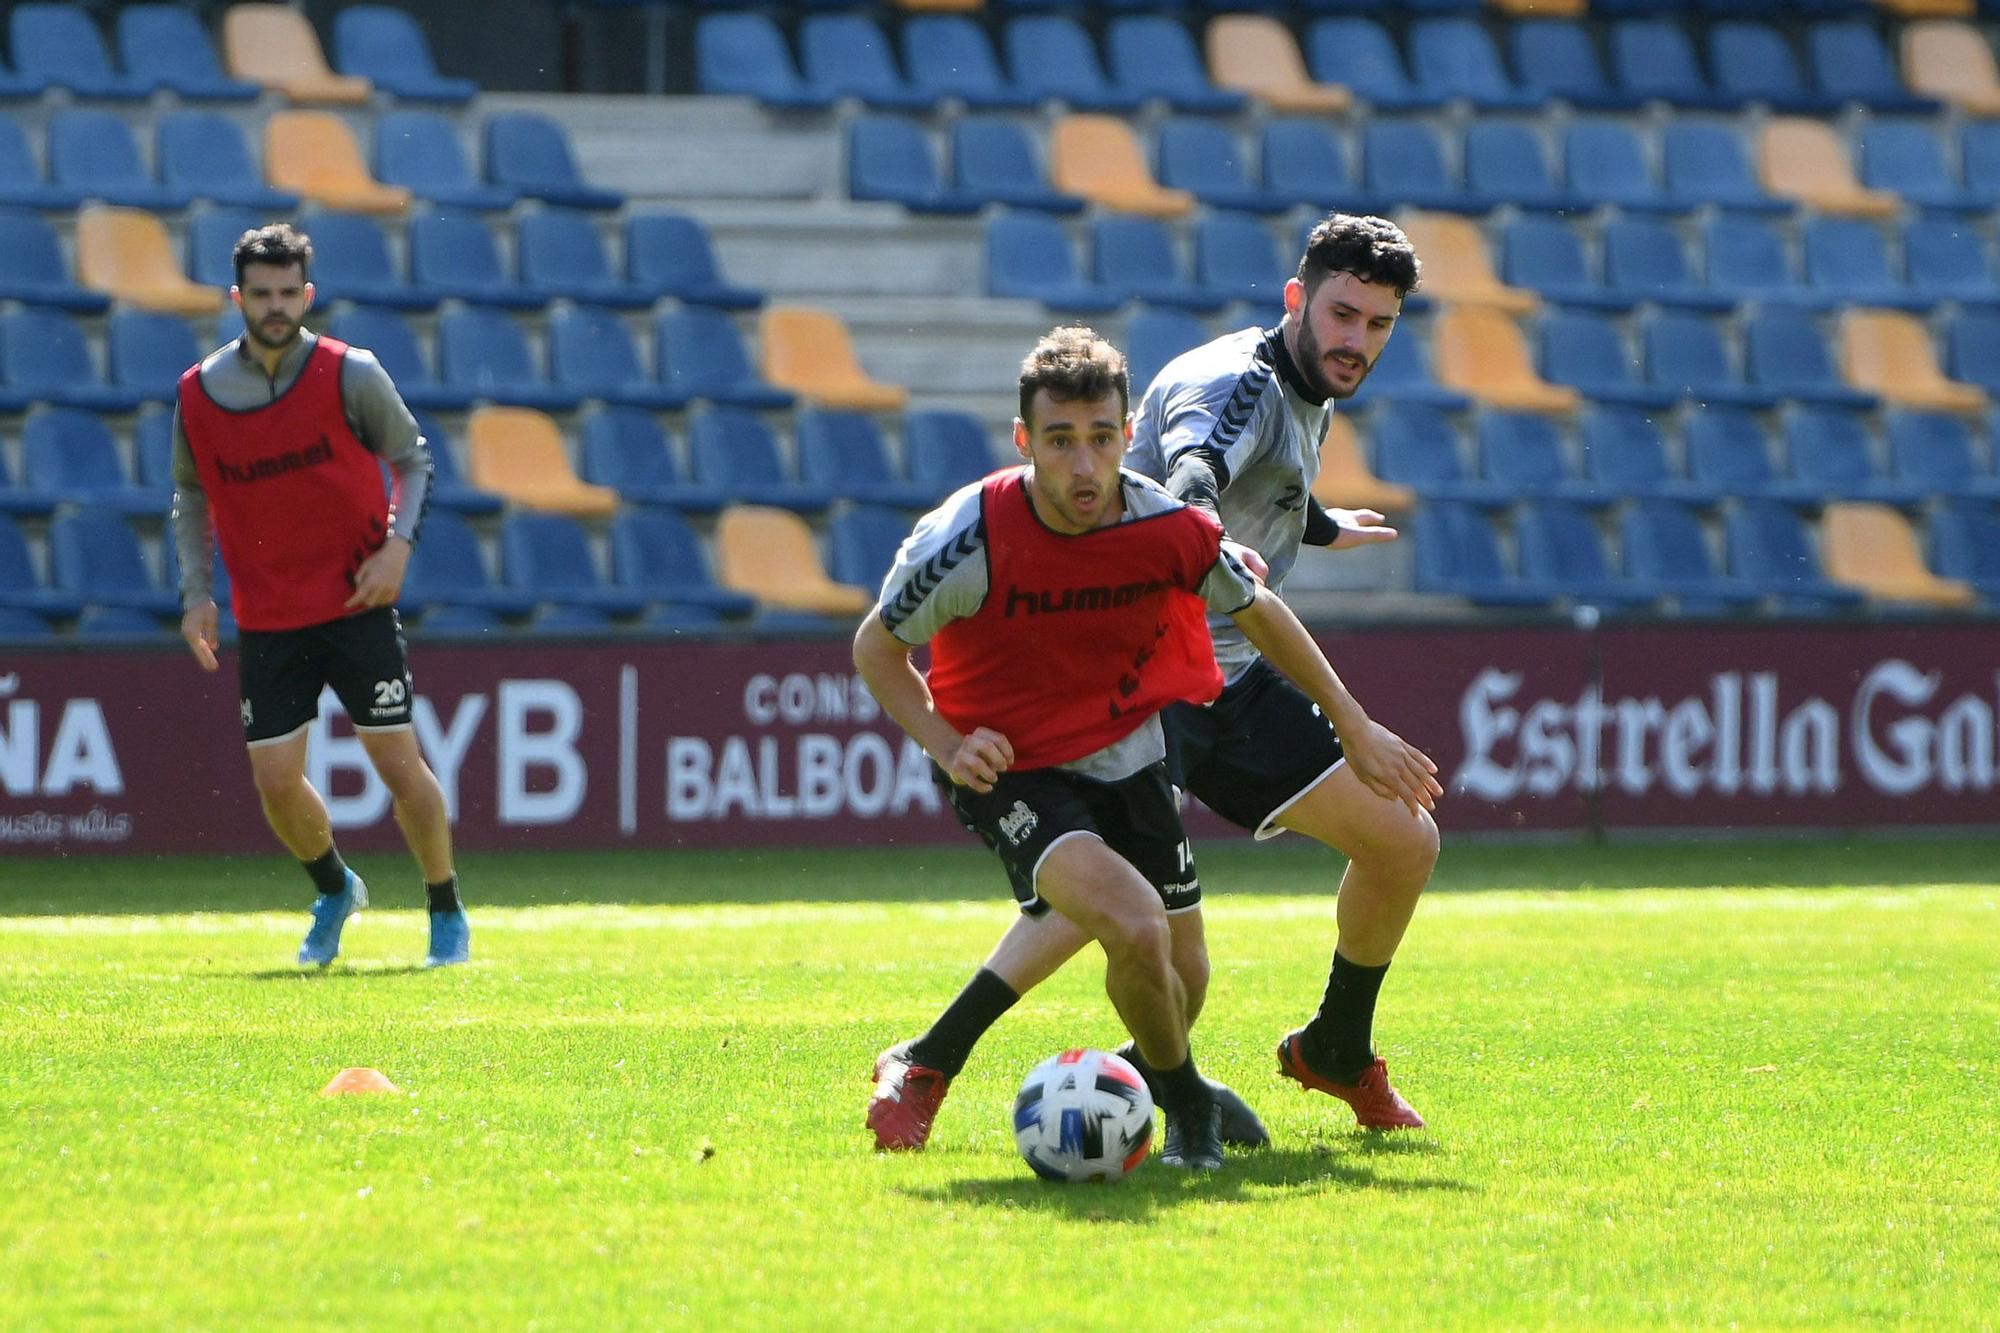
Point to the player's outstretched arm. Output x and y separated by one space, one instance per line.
198 627
1386 763
1344 529
884 663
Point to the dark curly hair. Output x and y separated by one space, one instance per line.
1372 249
280 245
1075 364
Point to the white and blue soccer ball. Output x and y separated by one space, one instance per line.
1084 1115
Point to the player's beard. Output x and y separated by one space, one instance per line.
274 332
1311 367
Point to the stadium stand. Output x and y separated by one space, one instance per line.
60 45
1153 56
126 254
32 268
455 254
1480 352
1346 481
1052 57
1029 257
845 453
94 153
313 154
484 352
735 451
945 450
560 251
950 56
627 449
548 556
1098 158
1805 160
1255 56
387 47
148 349
1206 159
995 161
419 151
1952 62
1889 354
656 554
1139 258
1359 55
94 554
1873 548
669 255
71 455
519 454
769 554
529 153
593 353
889 158
744 55
165 44
203 154
1457 270
847 55
698 351
274 46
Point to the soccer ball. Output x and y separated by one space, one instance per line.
1083 1115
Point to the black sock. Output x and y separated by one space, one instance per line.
1182 1088
1339 1040
329 873
959 1028
444 897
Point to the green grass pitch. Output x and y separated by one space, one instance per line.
1670 1083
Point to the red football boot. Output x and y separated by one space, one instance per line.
1377 1105
905 1101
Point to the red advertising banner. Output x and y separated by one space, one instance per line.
744 742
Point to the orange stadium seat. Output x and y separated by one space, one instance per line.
1345 480
126 254
1873 548
809 352
1479 351
311 153
275 45
1255 54
1928 9
1952 62
1097 158
1541 9
1806 160
1457 270
770 554
518 453
1889 354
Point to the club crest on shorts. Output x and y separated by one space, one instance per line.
1018 823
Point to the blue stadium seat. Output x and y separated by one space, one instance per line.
21 627
389 336
1458 555
153 451
669 255
1965 545
32 268
1625 453
1644 261
1560 550
1906 158
1848 260
1417 447
946 450
1979 155
949 55
454 622
28 501
21 588
1753 62
449 489
1728 450
1402 161
453 254
1137 257
482 351
655 553
995 162
1207 160
1305 161
351 262
61 44
1557 59
1784 351
387 47
1665 547
1052 57
733 449
117 624
565 620
889 158
1849 62
1402 374
1935 451
1606 161
95 555
211 241
166 44
628 450
1028 257
1155 337
447 568
1586 351
1153 56
1237 257
22 184
1707 164
592 352
93 152
1521 454
844 452
1454 58
1359 54
847 55
549 556
1746 256
744 55
1685 355
1654 58
71 455
1546 255
1828 448
1770 548
44 357
697 350
203 153
147 350
420 151
1972 349
530 153
559 251
862 543
1504 160
1947 261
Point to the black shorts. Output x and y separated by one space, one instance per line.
1255 750
1027 813
362 657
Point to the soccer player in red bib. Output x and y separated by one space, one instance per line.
279 441
1065 605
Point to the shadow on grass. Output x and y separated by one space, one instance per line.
329 975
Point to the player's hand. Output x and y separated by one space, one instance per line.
1359 527
1251 560
198 628
979 759
380 578
1392 768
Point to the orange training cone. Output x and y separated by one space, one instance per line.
358 1080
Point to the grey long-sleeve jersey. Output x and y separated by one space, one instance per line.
375 412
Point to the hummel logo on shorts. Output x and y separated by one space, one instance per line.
1018 823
